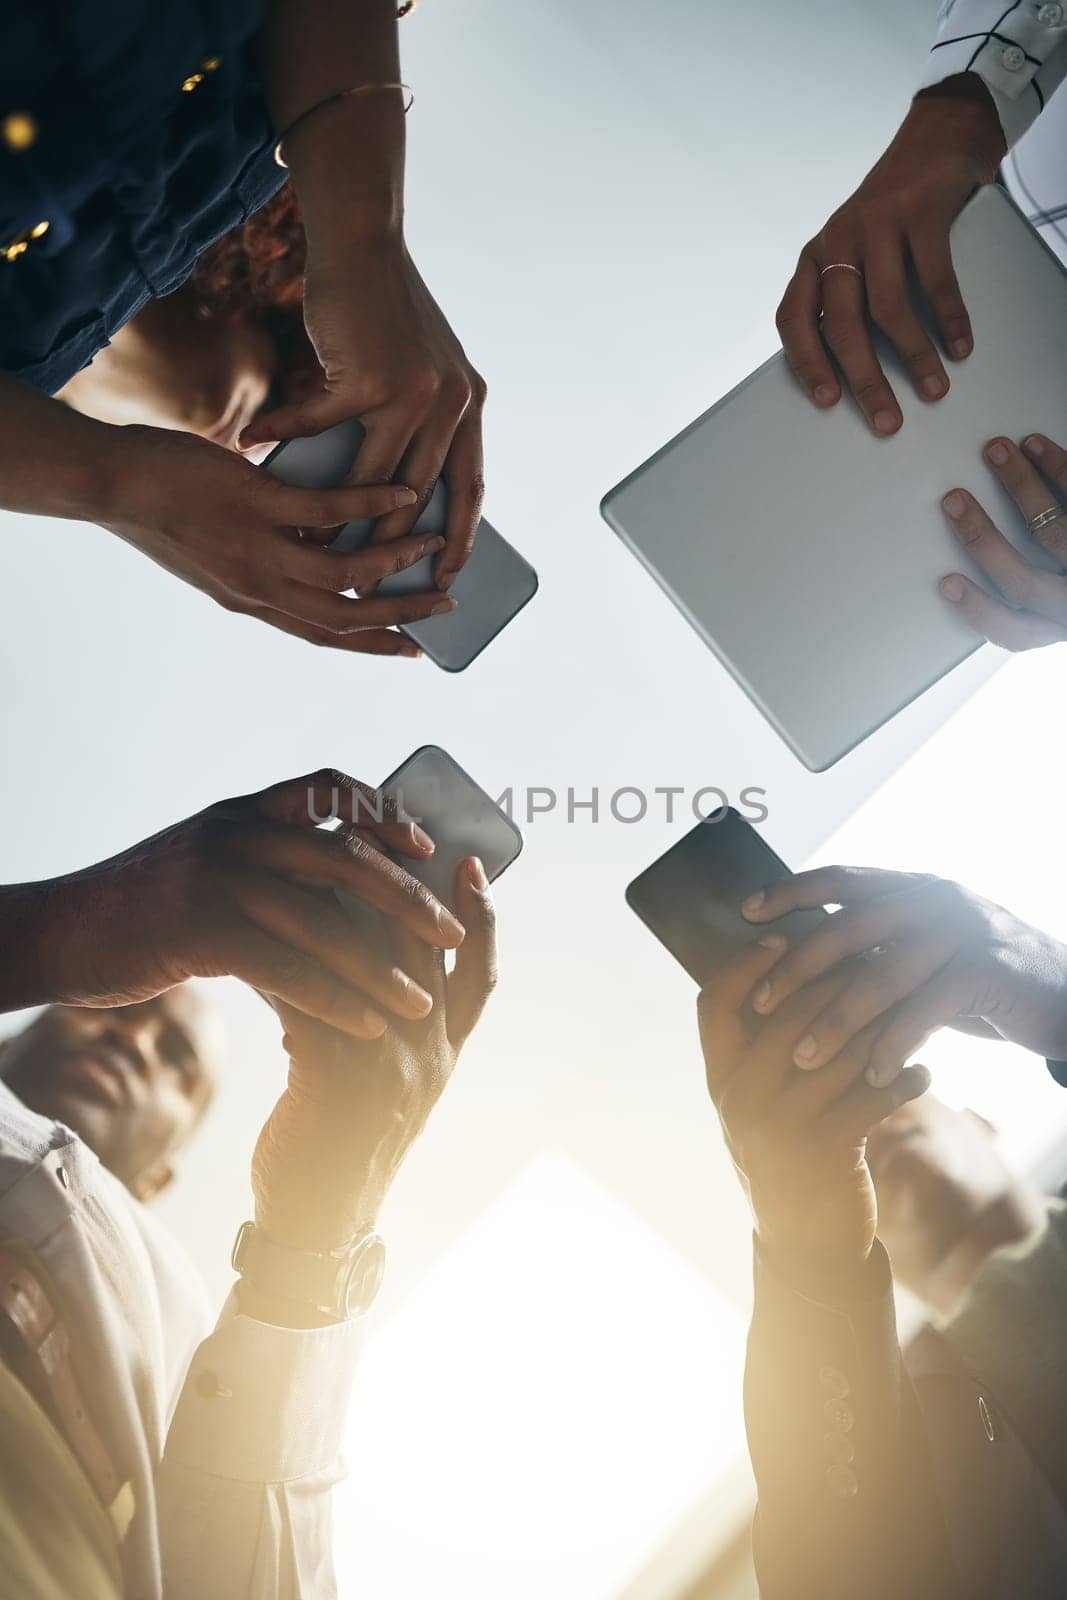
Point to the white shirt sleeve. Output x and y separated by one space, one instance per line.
251 1456
1020 52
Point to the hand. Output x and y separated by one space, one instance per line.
946 1198
351 1111
950 142
389 358
233 530
796 1139
247 888
934 955
1032 608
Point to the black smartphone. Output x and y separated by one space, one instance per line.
691 897
492 588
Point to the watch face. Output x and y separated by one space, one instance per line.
365 1273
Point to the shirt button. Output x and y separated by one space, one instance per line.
839 1447
64 1176
839 1416
19 130
834 1382
987 1420
1050 16
841 1480
1012 57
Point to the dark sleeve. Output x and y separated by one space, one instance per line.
847 1507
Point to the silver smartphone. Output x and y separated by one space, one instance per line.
691 897
492 588
433 790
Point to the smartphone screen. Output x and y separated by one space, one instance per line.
691 897
492 588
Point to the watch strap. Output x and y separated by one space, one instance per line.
338 1283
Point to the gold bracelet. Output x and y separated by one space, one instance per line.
331 99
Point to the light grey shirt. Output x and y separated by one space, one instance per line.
229 1440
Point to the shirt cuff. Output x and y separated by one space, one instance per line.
265 1404
1007 51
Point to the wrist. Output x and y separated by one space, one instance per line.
261 1307
31 917
967 121
346 160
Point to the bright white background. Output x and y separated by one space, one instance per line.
607 199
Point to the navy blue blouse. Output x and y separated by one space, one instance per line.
133 134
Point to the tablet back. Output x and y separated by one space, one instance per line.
807 552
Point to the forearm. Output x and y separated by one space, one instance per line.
347 158
1019 53
55 463
846 1507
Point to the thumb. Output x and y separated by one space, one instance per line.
319 412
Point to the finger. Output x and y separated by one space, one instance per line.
366 642
931 255
316 925
863 1108
326 569
323 860
330 795
1011 630
465 481
851 932
474 976
285 974
388 431
934 1006
1023 586
890 303
298 421
724 1029
877 985
768 1061
846 332
424 460
289 506
1050 457
806 1095
1030 492
338 613
825 886
798 328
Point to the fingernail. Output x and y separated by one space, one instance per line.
448 926
959 348
432 545
773 941
406 497
409 649
443 605
419 1003
1035 445
884 422
761 998
806 1050
997 452
445 579
753 904
955 504
823 393
476 874
934 386
375 1022
421 840
952 588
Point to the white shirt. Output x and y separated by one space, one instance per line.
230 1441
1020 52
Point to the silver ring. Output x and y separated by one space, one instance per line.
1045 518
841 266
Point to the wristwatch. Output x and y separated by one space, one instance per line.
339 1283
